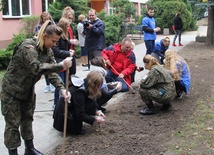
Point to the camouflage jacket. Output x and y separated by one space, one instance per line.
26 67
157 78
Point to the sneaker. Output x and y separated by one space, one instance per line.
179 95
147 111
180 45
52 88
47 89
174 44
85 65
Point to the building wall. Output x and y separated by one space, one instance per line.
98 5
11 26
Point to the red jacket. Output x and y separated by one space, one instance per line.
123 62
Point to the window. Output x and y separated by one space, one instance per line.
111 10
45 4
16 8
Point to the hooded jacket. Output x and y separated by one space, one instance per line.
123 62
149 25
160 49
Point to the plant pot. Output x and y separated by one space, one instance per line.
200 38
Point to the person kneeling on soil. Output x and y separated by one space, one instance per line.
107 89
83 106
179 70
156 86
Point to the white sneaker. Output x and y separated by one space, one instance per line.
52 88
47 89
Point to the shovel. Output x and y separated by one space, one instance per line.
66 114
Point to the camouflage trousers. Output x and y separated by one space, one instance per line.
152 94
17 113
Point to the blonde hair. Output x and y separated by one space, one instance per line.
63 24
95 80
150 60
81 17
49 29
67 11
172 60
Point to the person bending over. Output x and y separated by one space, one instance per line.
31 59
179 70
107 89
156 86
83 106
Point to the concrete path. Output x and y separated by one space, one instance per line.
46 137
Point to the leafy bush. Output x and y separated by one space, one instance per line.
5 57
16 40
28 25
165 11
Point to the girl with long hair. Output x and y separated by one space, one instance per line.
179 70
83 106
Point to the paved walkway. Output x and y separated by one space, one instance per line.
46 137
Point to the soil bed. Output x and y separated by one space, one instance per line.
126 132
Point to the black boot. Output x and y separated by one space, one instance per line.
13 152
29 148
149 110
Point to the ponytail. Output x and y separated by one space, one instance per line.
49 29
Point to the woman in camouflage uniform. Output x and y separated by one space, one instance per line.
31 59
156 86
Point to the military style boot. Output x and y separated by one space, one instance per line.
29 148
149 110
13 152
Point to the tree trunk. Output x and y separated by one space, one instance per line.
209 39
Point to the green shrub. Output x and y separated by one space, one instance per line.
28 25
5 57
16 40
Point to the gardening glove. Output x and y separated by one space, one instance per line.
100 113
66 63
74 41
99 119
67 97
119 86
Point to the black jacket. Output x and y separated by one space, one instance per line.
61 51
178 23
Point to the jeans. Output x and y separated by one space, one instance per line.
46 80
177 33
149 46
110 77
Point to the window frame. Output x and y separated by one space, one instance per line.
21 8
111 10
47 2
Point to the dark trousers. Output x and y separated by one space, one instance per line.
46 80
56 93
177 34
179 87
93 54
149 46
111 77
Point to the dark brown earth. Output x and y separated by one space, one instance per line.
126 132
